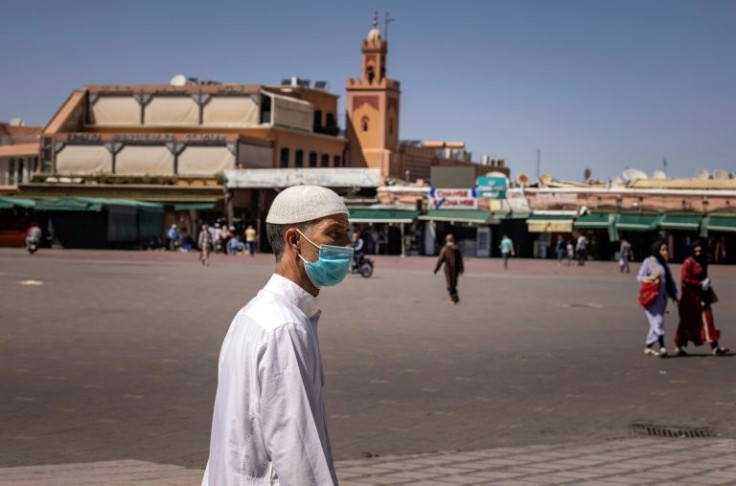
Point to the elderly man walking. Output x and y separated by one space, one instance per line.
269 425
451 257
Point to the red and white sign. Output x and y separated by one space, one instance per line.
453 193
453 203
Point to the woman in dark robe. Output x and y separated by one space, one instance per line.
452 258
696 315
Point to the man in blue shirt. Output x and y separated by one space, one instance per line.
507 250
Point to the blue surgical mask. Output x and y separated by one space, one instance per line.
332 266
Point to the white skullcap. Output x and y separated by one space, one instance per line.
298 204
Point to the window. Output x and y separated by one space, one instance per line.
299 158
265 109
284 158
370 73
11 172
317 119
312 159
336 161
391 126
331 121
364 124
325 160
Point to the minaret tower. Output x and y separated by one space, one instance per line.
372 107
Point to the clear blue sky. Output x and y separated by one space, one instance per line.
599 84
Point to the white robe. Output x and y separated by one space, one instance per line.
269 424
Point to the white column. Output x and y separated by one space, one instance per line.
403 248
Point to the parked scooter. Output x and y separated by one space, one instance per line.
364 267
32 246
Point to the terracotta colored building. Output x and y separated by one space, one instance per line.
373 106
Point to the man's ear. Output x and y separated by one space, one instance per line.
292 238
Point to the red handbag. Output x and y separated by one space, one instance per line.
648 293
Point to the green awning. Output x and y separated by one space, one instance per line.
638 222
382 216
16 202
595 221
459 216
195 206
721 223
94 204
68 203
605 221
681 222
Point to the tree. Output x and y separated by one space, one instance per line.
586 174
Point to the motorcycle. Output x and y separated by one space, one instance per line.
32 246
364 267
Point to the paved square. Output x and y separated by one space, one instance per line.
113 358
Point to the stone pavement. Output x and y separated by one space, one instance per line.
645 461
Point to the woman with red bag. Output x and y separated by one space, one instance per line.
696 316
655 269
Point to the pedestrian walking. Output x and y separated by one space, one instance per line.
250 239
655 269
560 250
205 243
173 238
452 259
507 250
696 315
269 425
581 248
224 238
624 256
570 253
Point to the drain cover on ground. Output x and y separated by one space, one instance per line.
669 431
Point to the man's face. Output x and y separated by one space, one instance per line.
331 230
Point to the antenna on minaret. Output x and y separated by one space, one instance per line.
387 20
375 19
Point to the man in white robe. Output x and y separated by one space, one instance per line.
269 423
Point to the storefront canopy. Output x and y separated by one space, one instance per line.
550 223
93 204
721 223
16 202
595 221
680 222
460 216
195 206
382 216
638 222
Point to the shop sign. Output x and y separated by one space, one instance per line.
493 187
451 193
452 198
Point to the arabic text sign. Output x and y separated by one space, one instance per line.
491 186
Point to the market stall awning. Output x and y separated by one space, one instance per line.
721 223
681 222
16 202
195 206
595 221
638 222
599 221
71 203
460 216
382 215
550 223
